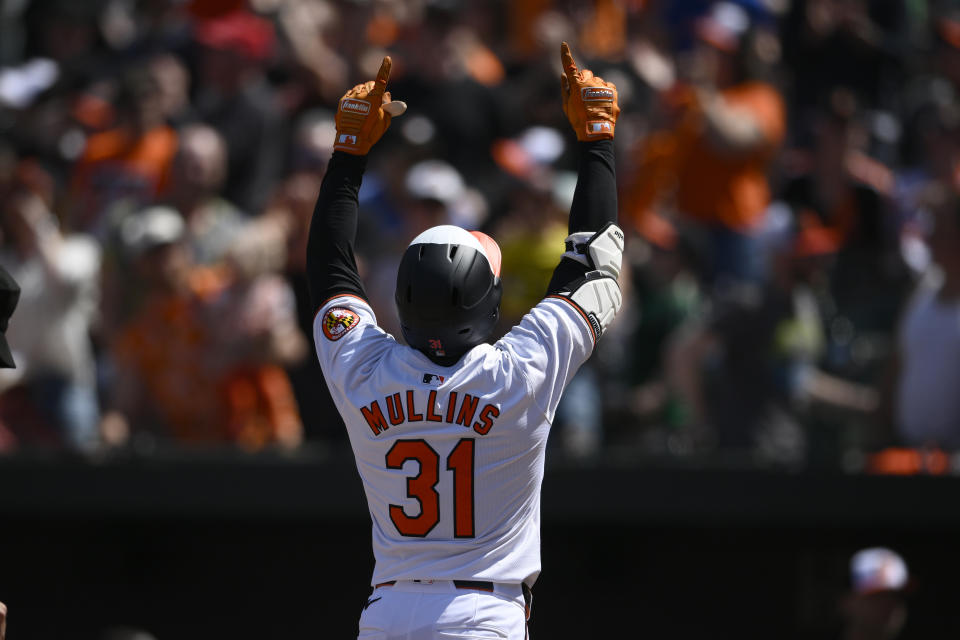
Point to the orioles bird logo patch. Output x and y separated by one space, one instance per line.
338 321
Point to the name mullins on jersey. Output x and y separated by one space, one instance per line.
452 408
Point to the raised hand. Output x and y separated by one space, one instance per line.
589 103
364 113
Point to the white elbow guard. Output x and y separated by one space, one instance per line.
601 251
597 297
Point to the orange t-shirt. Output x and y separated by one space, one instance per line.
712 185
165 348
116 165
170 347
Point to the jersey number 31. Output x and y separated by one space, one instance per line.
423 487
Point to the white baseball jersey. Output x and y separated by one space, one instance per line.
451 458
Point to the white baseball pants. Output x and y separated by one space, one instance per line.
439 610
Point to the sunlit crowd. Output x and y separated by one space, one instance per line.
788 175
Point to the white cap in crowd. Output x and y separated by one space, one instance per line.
152 227
877 569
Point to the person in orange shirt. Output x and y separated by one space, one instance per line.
719 152
130 162
167 373
255 334
200 361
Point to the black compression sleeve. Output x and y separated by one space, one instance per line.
331 265
594 203
595 199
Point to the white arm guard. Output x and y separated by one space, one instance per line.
597 297
601 251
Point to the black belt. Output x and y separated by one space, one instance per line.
478 585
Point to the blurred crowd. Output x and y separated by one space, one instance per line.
788 176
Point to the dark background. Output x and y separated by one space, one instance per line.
241 547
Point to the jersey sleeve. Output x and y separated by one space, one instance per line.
348 341
549 346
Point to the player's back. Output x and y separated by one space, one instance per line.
451 458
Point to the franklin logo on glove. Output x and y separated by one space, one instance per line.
594 93
355 106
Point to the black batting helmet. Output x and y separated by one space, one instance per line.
448 291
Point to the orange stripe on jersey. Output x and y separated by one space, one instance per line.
582 313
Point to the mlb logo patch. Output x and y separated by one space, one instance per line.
337 322
596 93
346 138
349 105
599 126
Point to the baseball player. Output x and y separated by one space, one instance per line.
449 431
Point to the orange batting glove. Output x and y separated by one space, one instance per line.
589 103
364 113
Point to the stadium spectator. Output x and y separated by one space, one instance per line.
531 230
253 325
667 295
750 368
201 361
875 608
170 76
9 297
51 396
927 363
309 26
128 165
860 45
199 172
235 98
165 385
719 152
843 197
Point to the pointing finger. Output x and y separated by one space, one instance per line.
383 75
569 66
